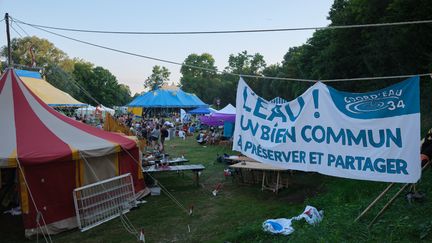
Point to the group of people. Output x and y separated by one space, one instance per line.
186 130
125 119
154 131
211 137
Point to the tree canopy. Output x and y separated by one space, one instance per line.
203 82
345 53
75 76
160 75
328 54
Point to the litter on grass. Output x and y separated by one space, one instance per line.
284 226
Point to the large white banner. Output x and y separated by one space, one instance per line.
367 136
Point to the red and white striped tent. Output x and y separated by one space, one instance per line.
55 154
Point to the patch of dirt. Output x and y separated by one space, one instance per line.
300 195
301 187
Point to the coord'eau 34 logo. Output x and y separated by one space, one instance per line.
388 100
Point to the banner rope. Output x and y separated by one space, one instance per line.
386 24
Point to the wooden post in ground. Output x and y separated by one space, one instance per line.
388 204
380 196
393 198
374 202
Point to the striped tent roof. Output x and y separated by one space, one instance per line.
34 133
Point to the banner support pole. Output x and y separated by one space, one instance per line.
389 202
374 201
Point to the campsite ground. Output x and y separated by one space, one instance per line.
237 212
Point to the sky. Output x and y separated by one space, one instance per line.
167 15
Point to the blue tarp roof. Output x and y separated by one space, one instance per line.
200 110
29 74
162 98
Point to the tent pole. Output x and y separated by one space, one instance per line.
8 40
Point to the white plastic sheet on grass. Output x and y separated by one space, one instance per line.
283 226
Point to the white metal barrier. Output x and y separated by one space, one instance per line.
104 200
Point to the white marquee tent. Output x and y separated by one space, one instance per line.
91 110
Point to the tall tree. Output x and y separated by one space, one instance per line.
84 77
204 82
44 52
246 64
205 61
123 95
74 76
159 76
98 84
57 66
365 52
62 80
107 86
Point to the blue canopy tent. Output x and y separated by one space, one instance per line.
200 111
167 99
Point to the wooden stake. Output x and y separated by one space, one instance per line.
387 205
393 198
380 196
374 202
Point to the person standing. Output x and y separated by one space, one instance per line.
154 136
164 134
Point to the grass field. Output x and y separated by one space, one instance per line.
238 211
